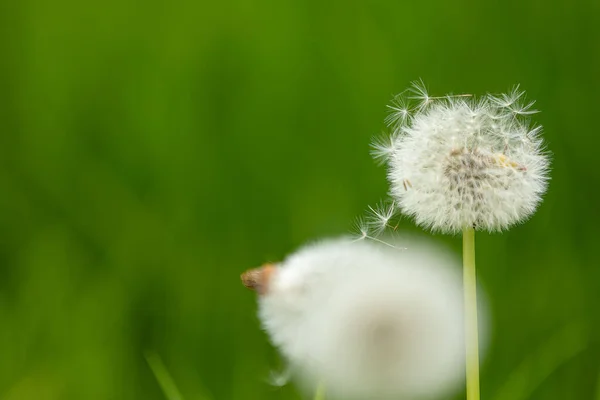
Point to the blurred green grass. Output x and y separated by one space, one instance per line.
152 151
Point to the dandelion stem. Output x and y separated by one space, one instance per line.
470 299
320 392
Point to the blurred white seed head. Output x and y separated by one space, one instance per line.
457 161
367 320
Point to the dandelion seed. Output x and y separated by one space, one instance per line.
379 216
419 91
399 112
512 102
363 231
383 147
524 109
506 100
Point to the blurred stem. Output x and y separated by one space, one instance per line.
320 393
470 299
163 377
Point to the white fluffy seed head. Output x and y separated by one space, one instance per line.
458 162
368 320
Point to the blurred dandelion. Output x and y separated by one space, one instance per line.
364 320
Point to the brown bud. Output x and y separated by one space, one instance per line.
258 278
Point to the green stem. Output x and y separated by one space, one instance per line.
470 299
320 393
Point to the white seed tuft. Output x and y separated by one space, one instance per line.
463 162
367 320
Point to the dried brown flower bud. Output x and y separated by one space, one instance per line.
258 278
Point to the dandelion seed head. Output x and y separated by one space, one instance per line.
368 320
463 162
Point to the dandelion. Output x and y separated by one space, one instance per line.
460 164
363 320
463 162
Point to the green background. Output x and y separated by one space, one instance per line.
152 151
